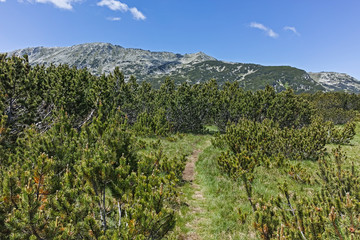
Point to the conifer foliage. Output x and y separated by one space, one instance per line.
66 184
333 213
70 166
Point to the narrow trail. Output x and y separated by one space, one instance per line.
195 202
189 172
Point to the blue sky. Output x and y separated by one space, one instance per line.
315 35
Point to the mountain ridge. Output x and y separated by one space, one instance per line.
194 68
332 81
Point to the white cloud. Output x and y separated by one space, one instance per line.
293 29
64 4
2 0
137 14
113 18
114 5
123 7
267 30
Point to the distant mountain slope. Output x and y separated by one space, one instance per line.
154 67
103 57
333 81
249 76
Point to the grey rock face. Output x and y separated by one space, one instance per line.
333 81
101 58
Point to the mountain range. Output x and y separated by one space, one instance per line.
154 67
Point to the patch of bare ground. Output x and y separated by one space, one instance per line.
196 201
189 172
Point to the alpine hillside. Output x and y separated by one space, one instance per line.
154 67
333 81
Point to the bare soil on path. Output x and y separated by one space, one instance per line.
196 201
189 172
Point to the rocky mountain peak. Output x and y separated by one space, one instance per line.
333 81
197 57
154 67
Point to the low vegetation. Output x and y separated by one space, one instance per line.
87 157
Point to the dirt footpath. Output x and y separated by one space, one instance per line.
189 172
